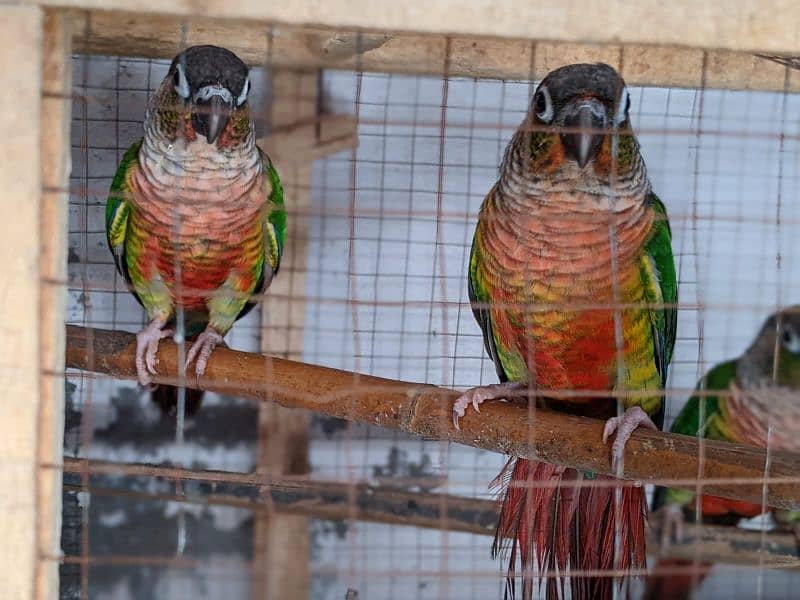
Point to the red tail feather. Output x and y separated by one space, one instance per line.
560 527
676 585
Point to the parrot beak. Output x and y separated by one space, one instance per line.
585 123
213 106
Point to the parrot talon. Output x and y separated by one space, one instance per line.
147 348
477 395
202 348
624 426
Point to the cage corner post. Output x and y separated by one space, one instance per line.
55 167
282 540
34 73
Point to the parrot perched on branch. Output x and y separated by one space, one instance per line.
572 280
743 400
195 217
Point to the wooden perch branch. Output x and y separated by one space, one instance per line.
729 470
382 504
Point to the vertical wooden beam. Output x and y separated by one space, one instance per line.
282 541
20 201
55 162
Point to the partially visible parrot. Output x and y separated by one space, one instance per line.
195 217
572 280
737 401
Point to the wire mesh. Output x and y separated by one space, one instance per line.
374 282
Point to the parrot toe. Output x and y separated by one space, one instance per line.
202 348
476 396
147 348
624 426
670 520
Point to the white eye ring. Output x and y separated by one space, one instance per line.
245 90
790 339
623 107
182 85
545 114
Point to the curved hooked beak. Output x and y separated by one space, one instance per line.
212 109
585 123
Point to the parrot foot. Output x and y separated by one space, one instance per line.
478 395
670 519
624 426
202 348
147 347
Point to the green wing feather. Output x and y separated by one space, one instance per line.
663 291
274 232
701 416
118 209
479 302
276 218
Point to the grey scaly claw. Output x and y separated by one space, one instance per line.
671 517
202 348
625 425
147 350
476 396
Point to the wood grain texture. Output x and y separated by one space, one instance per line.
54 225
152 36
282 540
767 25
20 180
729 470
338 501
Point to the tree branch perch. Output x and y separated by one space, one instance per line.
729 470
360 501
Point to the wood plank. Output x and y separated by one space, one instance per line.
55 157
20 180
398 506
308 140
282 541
161 37
728 470
767 25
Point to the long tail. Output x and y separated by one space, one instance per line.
677 585
550 521
166 396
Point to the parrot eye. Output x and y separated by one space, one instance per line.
543 105
623 107
180 82
245 90
791 340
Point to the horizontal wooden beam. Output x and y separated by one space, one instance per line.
129 34
304 142
728 470
296 495
767 25
395 506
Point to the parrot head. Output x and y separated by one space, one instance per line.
208 86
575 112
779 339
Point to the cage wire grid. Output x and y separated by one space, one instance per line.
386 232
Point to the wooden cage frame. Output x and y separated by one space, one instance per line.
683 43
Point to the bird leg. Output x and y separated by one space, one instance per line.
202 348
147 347
670 517
477 395
624 426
